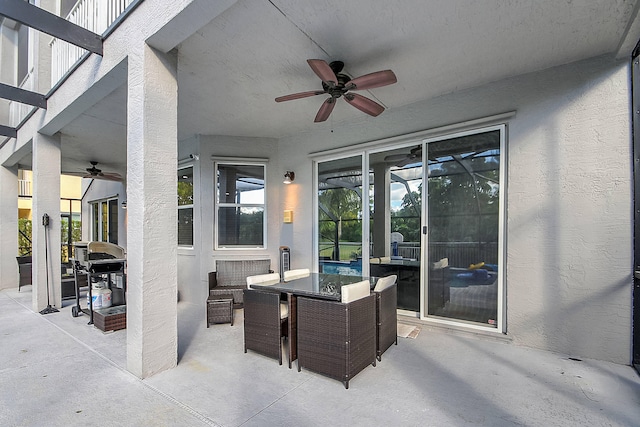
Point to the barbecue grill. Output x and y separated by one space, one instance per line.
100 261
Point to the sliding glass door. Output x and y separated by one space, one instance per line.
464 227
395 193
429 212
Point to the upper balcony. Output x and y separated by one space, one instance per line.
98 16
24 188
17 110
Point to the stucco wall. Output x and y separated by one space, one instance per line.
569 212
8 42
195 264
570 215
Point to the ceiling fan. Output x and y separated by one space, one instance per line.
95 173
337 85
414 156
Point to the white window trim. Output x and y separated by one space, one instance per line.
249 161
182 166
95 222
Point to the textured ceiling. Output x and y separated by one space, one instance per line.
230 70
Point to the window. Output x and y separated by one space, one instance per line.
104 219
185 206
240 207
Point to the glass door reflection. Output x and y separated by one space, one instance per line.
340 216
395 187
463 222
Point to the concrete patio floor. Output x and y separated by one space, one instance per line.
55 370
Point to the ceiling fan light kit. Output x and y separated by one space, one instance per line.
337 85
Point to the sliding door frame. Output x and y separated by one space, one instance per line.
502 199
497 122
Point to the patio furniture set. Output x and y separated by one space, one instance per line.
334 325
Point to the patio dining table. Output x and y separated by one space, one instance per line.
316 285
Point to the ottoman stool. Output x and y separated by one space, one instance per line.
220 309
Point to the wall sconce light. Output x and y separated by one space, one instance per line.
123 205
194 157
289 177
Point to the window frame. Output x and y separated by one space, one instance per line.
185 207
98 221
217 204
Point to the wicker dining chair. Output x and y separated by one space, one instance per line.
295 274
265 323
338 339
386 292
263 279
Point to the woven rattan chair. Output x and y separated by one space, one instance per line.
263 279
265 323
295 274
230 277
386 292
337 339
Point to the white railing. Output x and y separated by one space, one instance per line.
18 110
459 254
95 16
24 188
409 250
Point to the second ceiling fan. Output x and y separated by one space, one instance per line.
339 85
94 173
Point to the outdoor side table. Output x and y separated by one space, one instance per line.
219 309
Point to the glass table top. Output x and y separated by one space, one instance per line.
319 285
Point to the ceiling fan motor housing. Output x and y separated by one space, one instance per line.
339 89
336 66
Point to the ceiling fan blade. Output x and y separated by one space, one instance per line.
364 104
104 176
90 176
73 173
396 157
299 95
111 177
323 70
325 110
369 81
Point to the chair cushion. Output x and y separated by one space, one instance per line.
296 274
263 279
284 310
355 291
385 282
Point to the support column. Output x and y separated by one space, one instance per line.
40 61
8 227
152 206
46 240
381 210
